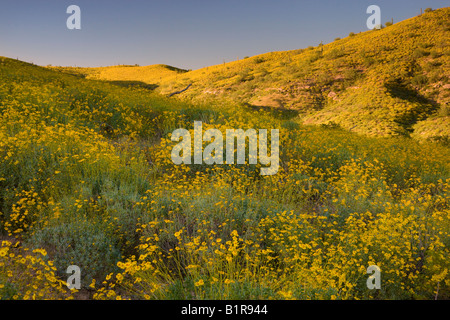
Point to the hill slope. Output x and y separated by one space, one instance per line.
389 81
86 179
393 81
146 76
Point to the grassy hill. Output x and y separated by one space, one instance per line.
86 179
393 81
147 76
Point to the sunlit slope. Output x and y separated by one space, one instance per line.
149 75
86 178
393 81
378 82
67 96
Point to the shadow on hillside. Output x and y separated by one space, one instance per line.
176 69
134 84
399 90
279 113
426 107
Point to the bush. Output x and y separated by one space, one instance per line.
315 56
419 53
351 74
259 60
388 24
442 140
80 243
351 34
330 125
290 125
335 53
368 61
419 80
428 10
28 275
444 111
434 54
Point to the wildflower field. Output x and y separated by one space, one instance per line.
86 179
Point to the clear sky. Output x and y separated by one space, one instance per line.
188 34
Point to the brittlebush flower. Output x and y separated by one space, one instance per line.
199 283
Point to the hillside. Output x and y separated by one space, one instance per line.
87 179
147 76
393 81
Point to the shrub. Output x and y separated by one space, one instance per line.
435 54
259 60
419 53
330 125
419 80
290 125
428 10
335 53
315 56
351 74
27 274
444 111
368 61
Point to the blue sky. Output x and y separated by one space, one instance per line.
188 34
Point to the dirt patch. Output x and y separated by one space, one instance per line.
275 100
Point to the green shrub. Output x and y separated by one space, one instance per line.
419 53
315 56
434 54
259 60
290 125
351 74
80 243
335 53
419 80
444 111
